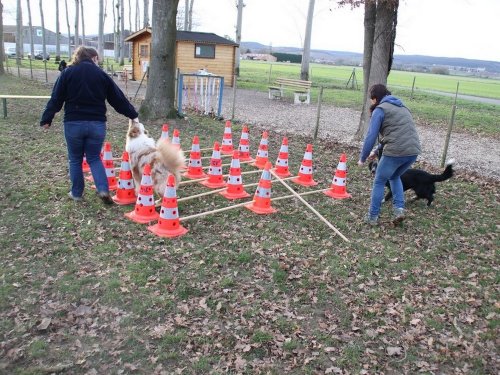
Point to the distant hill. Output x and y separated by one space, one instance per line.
405 62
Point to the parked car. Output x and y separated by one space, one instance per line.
39 55
10 52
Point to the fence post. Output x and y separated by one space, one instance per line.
450 126
46 76
31 69
4 102
318 113
413 87
270 70
234 96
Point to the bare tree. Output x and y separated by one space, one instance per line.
137 15
83 22
58 33
190 18
19 32
116 29
122 32
146 13
240 6
381 17
2 54
30 30
186 15
44 42
100 36
69 28
160 96
306 54
77 19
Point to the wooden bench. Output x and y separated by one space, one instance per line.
5 97
301 89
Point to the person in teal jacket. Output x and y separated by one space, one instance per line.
393 123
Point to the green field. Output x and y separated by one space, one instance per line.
428 108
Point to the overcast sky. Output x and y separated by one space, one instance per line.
450 28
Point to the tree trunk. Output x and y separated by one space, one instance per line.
137 15
116 28
383 46
122 32
30 31
77 17
306 55
58 33
44 43
69 29
100 35
2 54
369 23
83 23
19 32
238 36
160 96
190 21
146 12
186 15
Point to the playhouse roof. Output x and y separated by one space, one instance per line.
188 36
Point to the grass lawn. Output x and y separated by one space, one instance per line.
84 290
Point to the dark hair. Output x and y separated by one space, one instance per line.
377 92
83 53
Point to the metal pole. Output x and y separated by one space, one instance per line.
413 87
450 127
318 113
31 69
270 70
4 101
46 76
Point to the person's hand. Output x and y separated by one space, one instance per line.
46 126
136 120
360 163
371 156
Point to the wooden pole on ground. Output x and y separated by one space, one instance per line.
310 207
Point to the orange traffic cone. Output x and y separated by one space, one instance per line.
144 211
176 141
244 147
109 166
215 179
262 155
338 187
195 169
261 203
85 165
235 189
164 133
227 140
125 194
281 168
305 175
168 223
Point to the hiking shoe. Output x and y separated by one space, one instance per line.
399 216
76 199
105 197
371 220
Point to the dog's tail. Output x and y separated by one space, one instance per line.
172 157
447 173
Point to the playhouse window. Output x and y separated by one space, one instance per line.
143 50
206 51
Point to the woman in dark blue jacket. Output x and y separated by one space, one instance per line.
83 88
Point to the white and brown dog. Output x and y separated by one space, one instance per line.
162 156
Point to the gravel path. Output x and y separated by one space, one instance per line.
471 153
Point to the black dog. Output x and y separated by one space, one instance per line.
421 182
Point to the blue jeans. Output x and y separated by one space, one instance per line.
85 138
390 168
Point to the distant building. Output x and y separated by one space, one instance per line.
259 57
